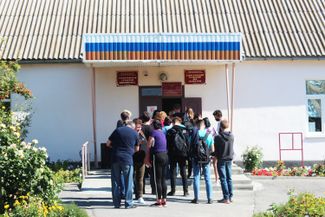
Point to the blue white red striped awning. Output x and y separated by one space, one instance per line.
162 47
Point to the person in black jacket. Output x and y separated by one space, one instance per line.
224 152
175 156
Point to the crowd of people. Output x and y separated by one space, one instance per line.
161 145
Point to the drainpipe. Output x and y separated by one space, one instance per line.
227 91
94 116
232 95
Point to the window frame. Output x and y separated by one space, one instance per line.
321 97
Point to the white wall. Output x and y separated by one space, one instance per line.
270 98
62 119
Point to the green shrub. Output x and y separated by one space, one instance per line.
72 210
35 207
68 176
304 204
23 171
64 165
319 169
252 158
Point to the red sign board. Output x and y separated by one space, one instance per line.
172 89
127 78
194 76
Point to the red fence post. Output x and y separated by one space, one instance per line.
301 149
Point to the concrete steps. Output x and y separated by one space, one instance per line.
240 181
100 180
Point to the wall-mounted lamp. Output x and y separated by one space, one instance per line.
163 76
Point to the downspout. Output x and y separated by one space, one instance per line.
94 116
227 91
232 95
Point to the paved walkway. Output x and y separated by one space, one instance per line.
95 197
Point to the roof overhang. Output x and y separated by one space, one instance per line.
159 49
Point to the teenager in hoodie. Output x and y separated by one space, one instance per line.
224 152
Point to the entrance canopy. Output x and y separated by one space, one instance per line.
162 48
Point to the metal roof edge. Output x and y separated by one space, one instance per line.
51 61
282 58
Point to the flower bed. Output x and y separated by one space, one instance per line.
281 170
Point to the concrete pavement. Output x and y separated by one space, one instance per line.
96 198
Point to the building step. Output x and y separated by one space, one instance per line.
240 182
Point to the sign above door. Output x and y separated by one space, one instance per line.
172 89
194 76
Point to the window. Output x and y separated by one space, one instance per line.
315 90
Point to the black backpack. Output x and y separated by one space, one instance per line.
201 150
178 142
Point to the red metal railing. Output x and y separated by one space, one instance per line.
293 148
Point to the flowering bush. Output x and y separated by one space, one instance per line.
252 158
304 204
27 184
9 83
23 170
26 206
9 131
281 170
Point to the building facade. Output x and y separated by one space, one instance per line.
276 85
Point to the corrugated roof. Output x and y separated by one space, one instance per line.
52 29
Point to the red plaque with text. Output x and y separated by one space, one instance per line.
194 76
172 89
127 78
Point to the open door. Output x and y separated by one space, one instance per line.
152 101
149 97
192 102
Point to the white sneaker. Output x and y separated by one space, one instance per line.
141 201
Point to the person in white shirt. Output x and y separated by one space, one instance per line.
215 131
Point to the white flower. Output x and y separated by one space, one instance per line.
17 134
20 154
43 149
2 125
13 146
23 143
35 141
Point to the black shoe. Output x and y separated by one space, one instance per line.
210 201
186 194
224 201
131 207
195 201
171 193
116 207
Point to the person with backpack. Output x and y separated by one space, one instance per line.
224 143
200 153
178 149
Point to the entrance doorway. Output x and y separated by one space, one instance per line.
168 104
150 98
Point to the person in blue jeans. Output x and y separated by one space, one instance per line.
224 152
123 141
202 134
